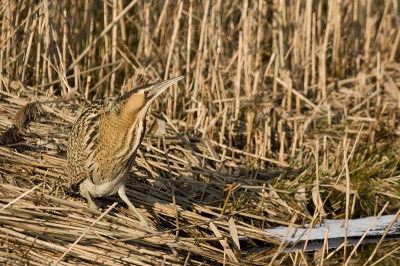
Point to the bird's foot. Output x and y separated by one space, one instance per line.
144 223
93 206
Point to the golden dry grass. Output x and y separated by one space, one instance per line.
288 114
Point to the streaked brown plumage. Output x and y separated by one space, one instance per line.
104 140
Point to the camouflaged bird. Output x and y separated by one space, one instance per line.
104 140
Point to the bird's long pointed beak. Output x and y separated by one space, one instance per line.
161 86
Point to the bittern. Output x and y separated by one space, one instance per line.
104 141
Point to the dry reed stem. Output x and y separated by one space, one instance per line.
382 238
365 234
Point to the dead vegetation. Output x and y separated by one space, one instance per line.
288 114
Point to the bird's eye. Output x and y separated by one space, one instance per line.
146 92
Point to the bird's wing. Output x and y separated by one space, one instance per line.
91 139
85 137
91 130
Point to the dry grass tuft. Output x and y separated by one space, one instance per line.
25 114
10 136
288 114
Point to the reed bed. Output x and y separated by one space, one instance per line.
288 114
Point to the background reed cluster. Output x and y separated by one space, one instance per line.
288 113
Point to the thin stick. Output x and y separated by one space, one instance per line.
20 197
365 234
87 230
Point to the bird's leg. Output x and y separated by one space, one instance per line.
91 203
122 195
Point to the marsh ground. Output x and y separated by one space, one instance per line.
288 114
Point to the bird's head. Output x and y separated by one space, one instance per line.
137 101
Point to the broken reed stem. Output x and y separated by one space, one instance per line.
189 38
114 32
227 198
324 246
346 222
173 39
238 76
